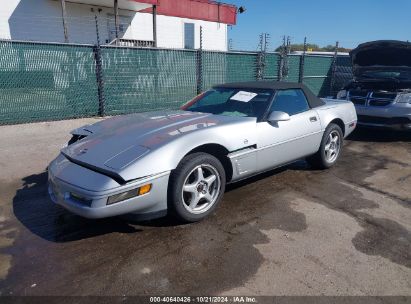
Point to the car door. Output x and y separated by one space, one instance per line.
285 141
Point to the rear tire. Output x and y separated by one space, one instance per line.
330 148
196 187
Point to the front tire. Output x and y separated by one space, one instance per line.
330 148
196 187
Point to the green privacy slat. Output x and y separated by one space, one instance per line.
40 82
317 74
241 67
227 67
139 80
317 66
319 86
293 68
271 68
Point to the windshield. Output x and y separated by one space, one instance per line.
232 102
387 74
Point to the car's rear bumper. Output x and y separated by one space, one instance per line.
93 203
394 116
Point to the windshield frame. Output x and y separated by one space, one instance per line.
199 97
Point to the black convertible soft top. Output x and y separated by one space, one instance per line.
313 100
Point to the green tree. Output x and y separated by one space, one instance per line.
299 47
313 48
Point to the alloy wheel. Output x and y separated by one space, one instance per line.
332 146
201 189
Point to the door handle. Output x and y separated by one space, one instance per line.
313 119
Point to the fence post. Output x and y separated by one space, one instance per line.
334 70
99 73
230 44
287 51
302 59
280 67
200 64
258 74
261 56
282 54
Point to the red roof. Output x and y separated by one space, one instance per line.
196 9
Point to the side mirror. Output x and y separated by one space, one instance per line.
276 116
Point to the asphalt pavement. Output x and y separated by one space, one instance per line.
291 231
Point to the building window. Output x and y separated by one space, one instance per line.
189 35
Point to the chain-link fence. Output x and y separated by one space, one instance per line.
43 81
46 82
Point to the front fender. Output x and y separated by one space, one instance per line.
167 157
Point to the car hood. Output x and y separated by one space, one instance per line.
115 143
383 54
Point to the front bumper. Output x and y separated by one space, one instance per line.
394 116
69 186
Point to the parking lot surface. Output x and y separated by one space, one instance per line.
291 231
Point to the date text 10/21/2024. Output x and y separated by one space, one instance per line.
204 299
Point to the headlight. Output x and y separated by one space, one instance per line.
342 94
403 98
129 194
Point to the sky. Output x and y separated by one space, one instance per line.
323 22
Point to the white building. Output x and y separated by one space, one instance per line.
161 23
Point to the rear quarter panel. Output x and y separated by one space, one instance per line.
338 109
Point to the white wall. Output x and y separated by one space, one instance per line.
40 20
170 33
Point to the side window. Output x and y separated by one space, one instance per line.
189 35
291 101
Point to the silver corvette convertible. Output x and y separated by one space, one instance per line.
179 162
